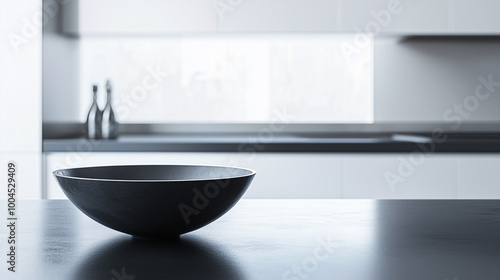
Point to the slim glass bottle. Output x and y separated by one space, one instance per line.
93 122
109 124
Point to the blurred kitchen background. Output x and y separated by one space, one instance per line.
323 98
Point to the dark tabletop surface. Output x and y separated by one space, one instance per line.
269 239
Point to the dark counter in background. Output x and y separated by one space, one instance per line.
183 142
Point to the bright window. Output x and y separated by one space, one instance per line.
231 79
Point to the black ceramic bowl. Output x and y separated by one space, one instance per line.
154 201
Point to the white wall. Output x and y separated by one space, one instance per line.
20 94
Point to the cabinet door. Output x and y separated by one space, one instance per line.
277 15
400 176
406 17
475 17
138 17
395 16
479 177
278 175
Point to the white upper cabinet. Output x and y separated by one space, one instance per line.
479 17
399 17
88 17
395 16
277 15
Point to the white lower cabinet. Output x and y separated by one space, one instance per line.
278 175
479 177
334 175
400 176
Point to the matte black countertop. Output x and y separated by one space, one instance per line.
277 143
269 239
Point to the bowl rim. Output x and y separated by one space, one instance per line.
56 173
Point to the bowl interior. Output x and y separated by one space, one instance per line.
154 172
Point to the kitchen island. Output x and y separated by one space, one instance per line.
268 239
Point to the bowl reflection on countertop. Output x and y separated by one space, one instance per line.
133 258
